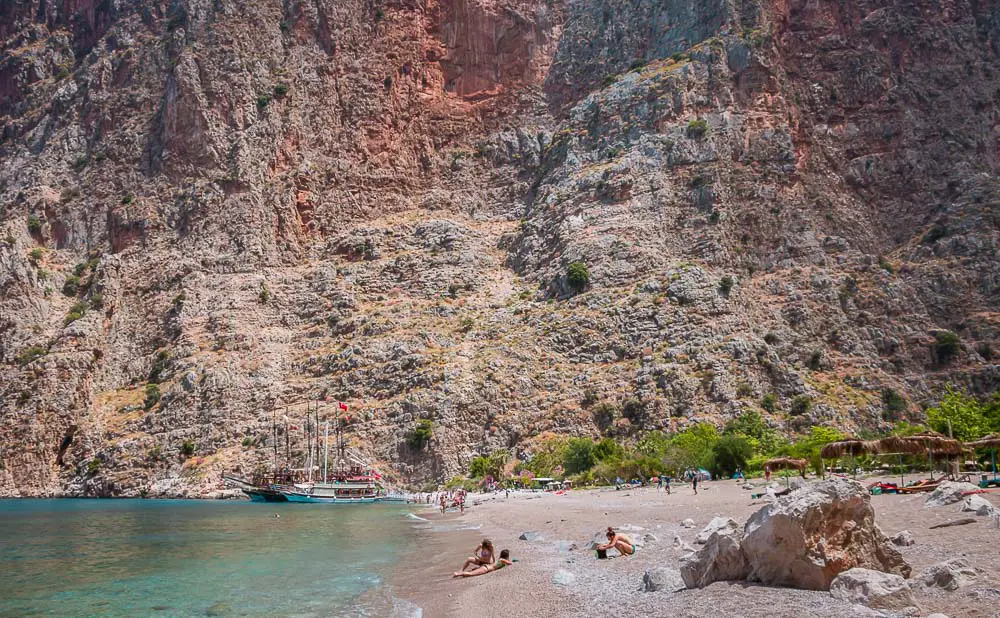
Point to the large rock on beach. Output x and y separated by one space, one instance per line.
531 536
904 538
872 588
978 505
948 575
662 578
949 492
807 538
719 559
722 525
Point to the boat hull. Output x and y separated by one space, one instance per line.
308 499
265 495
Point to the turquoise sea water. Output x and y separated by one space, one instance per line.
191 558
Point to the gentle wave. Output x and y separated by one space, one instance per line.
416 517
401 608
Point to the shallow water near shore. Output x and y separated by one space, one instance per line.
193 558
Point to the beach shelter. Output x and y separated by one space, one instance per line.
787 463
991 442
852 447
929 442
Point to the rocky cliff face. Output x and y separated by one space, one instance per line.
213 210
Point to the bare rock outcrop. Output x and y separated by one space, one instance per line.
806 539
872 588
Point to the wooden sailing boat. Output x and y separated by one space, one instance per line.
350 482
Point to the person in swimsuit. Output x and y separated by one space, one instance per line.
618 541
483 556
486 568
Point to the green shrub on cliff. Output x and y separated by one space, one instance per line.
946 345
187 448
71 286
152 396
697 128
30 354
577 276
34 224
76 312
420 435
800 405
769 403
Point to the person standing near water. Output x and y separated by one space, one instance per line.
694 483
444 503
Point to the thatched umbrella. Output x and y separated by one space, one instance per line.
787 463
928 442
991 442
836 450
852 447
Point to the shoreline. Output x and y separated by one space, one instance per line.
557 576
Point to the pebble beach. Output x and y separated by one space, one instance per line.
557 575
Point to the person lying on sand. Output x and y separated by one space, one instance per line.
483 555
617 541
486 568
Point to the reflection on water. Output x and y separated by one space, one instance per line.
182 558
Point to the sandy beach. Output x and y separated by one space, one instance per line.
567 523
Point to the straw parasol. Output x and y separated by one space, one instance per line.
927 442
991 442
786 463
854 447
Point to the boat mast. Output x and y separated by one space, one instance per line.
326 448
288 443
274 441
309 450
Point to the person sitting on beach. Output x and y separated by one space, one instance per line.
483 555
486 568
618 541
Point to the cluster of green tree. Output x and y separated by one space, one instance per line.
746 443
964 417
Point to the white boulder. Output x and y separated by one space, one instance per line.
904 538
978 505
948 575
719 559
807 538
949 492
662 578
872 588
722 525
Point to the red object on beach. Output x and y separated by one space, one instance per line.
343 406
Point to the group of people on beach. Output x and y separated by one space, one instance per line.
484 561
483 558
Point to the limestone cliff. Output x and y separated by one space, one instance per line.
212 210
